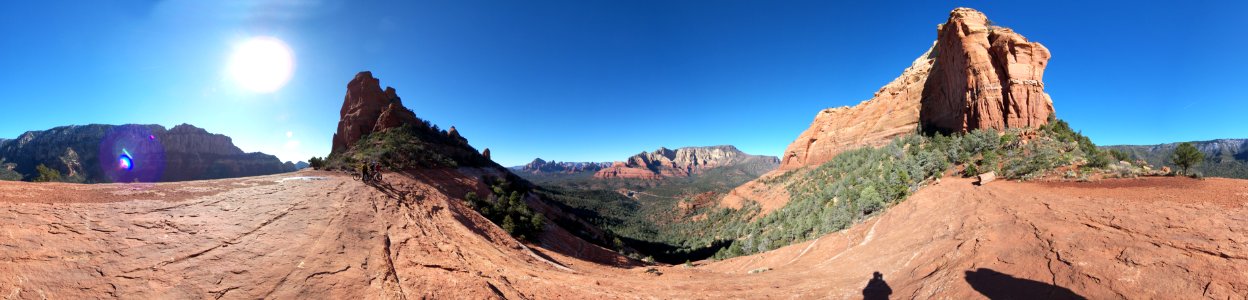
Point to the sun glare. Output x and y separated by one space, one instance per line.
262 64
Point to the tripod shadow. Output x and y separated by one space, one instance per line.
997 285
877 288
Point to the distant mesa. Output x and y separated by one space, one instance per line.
184 152
976 75
682 162
1223 157
540 166
296 165
658 164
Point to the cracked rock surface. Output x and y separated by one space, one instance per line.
261 237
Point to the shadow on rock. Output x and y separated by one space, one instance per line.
877 288
997 285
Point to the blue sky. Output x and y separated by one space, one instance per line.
598 80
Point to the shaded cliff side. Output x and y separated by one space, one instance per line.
184 152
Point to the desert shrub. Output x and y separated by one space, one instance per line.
1060 131
1124 170
409 146
47 174
7 171
1120 155
316 163
970 170
852 186
505 207
1186 156
989 162
1034 158
869 200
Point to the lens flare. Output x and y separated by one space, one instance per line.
125 162
131 153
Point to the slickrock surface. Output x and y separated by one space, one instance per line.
282 237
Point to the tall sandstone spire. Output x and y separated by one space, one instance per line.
984 77
975 76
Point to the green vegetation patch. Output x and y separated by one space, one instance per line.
505 206
409 146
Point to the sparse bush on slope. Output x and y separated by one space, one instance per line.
863 182
410 146
851 187
316 163
505 206
7 172
47 174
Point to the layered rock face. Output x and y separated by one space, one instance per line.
540 166
188 152
366 109
893 111
984 77
974 76
681 162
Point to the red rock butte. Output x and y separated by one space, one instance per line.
976 75
367 109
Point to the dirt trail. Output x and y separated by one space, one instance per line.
335 238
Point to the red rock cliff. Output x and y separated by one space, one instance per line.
974 76
367 108
984 77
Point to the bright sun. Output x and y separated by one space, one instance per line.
262 64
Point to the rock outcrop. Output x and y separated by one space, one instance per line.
681 162
984 77
893 111
184 152
404 140
974 76
366 109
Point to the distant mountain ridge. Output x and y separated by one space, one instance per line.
540 166
1223 157
185 152
683 162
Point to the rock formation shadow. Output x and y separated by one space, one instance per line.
877 288
997 285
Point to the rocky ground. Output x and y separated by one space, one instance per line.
331 237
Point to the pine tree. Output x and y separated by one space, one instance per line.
509 225
1186 156
47 174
